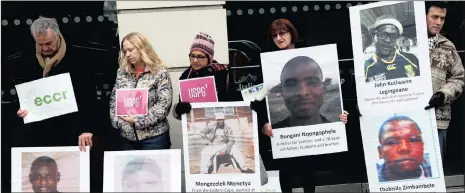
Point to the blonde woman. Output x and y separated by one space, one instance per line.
141 67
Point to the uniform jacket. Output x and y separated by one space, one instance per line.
447 74
159 104
403 65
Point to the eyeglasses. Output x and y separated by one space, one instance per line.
281 34
392 36
199 57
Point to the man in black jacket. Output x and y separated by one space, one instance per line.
54 57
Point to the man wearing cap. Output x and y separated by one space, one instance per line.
219 140
388 62
447 71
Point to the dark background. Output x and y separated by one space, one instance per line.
327 26
98 41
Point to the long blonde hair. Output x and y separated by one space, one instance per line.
148 54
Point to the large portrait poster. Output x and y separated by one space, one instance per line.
142 171
221 148
304 101
49 169
402 152
391 56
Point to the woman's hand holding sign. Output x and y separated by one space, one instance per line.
129 118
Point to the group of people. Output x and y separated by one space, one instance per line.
141 67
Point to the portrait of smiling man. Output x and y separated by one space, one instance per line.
401 146
44 175
389 62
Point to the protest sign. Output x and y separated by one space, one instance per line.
47 97
198 90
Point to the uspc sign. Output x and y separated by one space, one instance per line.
134 101
198 90
47 97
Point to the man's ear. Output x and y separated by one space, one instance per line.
58 176
380 153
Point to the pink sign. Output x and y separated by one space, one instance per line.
134 101
198 90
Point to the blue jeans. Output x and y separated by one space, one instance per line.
162 141
442 134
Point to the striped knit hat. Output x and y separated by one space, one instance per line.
204 43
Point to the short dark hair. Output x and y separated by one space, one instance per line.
429 4
302 59
283 24
42 160
392 119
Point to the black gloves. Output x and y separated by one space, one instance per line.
255 105
183 107
437 100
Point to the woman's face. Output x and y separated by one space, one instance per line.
198 59
131 52
282 39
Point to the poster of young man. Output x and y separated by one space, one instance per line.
304 101
132 101
49 169
142 171
402 152
221 148
391 57
47 97
198 90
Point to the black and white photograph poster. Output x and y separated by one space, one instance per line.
304 101
220 143
142 171
402 152
391 56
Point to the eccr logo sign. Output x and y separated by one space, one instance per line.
47 99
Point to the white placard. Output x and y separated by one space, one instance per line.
66 168
273 184
256 92
210 165
47 97
142 171
304 101
390 79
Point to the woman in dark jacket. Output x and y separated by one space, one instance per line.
284 36
203 65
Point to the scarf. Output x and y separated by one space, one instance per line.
48 63
433 41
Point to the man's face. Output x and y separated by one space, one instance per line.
47 43
435 19
142 181
401 147
220 122
302 89
45 178
387 36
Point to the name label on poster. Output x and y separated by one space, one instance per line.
223 186
198 90
134 101
309 140
406 187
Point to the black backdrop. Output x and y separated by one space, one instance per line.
99 42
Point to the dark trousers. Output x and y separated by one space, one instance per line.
442 134
301 167
162 141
